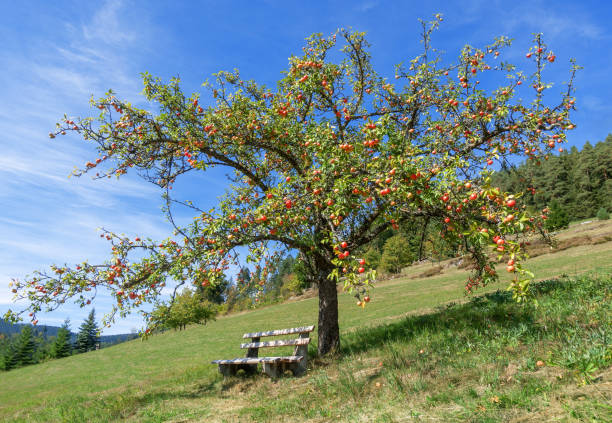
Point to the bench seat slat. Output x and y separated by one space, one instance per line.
303 329
279 343
255 360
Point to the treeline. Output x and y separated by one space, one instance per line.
389 254
251 289
579 181
22 345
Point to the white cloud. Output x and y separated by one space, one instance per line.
45 217
106 26
53 76
594 103
367 5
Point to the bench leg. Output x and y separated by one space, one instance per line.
297 369
271 369
300 367
250 369
227 370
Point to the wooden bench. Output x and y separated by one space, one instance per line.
272 366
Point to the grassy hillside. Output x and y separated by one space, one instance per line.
468 353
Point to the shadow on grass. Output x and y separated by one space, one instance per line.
494 310
81 408
196 391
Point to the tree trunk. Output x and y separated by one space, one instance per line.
329 331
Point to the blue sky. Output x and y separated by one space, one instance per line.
55 55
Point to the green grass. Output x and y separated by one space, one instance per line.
486 360
478 360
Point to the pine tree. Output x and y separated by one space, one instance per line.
10 358
3 348
88 337
61 346
7 352
283 268
603 172
25 347
561 188
247 282
605 194
585 182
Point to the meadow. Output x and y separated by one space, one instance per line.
420 351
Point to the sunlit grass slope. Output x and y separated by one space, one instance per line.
168 377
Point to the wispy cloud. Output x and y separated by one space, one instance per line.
45 217
367 5
106 26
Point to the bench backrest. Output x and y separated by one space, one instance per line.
301 343
303 329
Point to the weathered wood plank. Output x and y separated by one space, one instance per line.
279 343
279 332
255 360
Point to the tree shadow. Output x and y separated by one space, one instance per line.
197 391
494 310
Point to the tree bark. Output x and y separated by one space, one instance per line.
329 331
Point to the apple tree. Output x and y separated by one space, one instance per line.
321 165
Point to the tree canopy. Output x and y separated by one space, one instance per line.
187 308
396 254
322 164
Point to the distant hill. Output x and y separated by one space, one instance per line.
8 329
46 332
107 340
